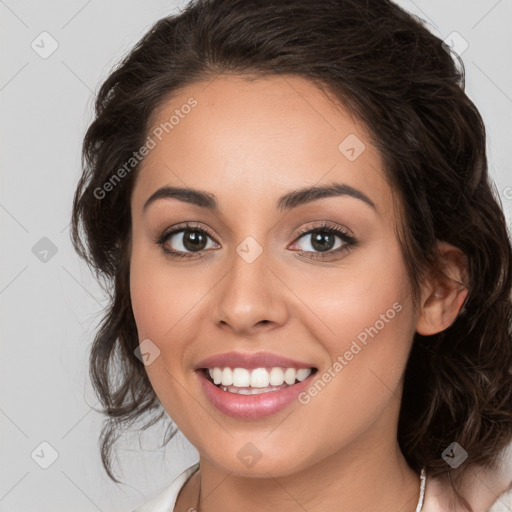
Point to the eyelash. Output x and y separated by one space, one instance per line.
349 240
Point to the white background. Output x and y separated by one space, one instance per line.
49 310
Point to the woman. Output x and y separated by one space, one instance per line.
310 274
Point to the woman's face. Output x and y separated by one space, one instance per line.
337 302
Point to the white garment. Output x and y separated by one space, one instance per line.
166 500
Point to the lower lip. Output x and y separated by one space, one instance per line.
251 406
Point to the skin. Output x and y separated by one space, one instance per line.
248 142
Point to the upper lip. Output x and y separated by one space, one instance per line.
250 361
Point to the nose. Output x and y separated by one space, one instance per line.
251 298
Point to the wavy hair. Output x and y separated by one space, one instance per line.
396 77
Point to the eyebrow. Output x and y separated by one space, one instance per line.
286 202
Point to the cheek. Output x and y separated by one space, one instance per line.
166 303
365 321
369 294
366 328
161 316
153 288
147 301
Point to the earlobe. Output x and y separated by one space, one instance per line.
443 297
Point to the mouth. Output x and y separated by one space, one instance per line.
251 386
256 381
252 394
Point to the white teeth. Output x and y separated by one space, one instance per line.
227 377
217 375
241 378
289 376
303 373
276 377
251 391
258 377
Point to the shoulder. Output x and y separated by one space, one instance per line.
166 499
481 488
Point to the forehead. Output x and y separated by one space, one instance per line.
263 135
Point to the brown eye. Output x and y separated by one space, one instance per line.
187 240
183 241
321 241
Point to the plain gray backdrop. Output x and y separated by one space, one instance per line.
55 54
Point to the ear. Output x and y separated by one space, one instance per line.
444 294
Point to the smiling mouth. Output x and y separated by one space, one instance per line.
256 381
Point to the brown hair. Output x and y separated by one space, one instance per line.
399 80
